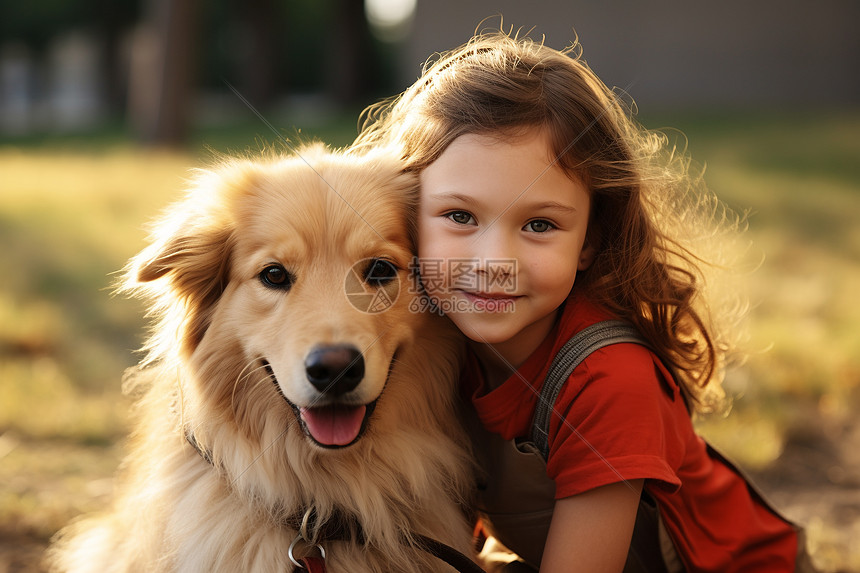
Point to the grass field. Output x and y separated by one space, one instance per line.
72 213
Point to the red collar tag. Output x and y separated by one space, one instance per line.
314 564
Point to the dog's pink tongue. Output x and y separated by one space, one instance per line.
334 425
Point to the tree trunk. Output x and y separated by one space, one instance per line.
163 76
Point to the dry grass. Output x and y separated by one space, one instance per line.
68 220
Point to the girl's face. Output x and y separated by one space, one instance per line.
501 235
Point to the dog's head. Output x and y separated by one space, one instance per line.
287 276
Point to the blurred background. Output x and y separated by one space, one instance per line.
105 106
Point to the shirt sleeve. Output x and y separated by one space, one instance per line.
614 420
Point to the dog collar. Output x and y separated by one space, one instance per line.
343 526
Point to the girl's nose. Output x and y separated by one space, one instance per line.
497 275
493 244
495 257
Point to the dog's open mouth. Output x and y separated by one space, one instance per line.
337 425
332 425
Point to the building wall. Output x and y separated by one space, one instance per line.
678 54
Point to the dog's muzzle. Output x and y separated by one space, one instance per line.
334 371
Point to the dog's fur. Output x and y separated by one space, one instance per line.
226 369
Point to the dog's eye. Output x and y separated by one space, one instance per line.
380 272
276 276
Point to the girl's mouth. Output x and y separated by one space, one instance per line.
490 295
491 302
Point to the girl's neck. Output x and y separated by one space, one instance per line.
500 360
495 367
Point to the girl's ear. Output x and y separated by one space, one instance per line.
586 255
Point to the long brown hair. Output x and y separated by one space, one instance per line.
648 210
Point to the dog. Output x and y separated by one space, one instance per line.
291 406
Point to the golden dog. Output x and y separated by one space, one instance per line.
288 387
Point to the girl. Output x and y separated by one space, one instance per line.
546 210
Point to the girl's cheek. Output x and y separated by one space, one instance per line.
432 239
435 249
434 278
441 248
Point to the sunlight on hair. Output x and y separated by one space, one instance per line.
679 239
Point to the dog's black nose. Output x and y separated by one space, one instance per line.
334 369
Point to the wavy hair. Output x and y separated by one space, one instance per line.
652 221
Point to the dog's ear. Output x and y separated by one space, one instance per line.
186 267
193 259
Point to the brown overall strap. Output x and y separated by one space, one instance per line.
645 554
565 362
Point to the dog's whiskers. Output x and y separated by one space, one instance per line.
241 378
312 404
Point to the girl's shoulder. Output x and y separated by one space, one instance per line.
625 382
619 411
623 367
627 368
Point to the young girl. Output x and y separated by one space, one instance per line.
546 210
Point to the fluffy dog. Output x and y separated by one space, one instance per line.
288 385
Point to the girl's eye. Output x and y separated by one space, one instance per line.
539 226
277 277
461 217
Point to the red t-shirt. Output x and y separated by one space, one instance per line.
625 418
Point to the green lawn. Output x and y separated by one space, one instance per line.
72 212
